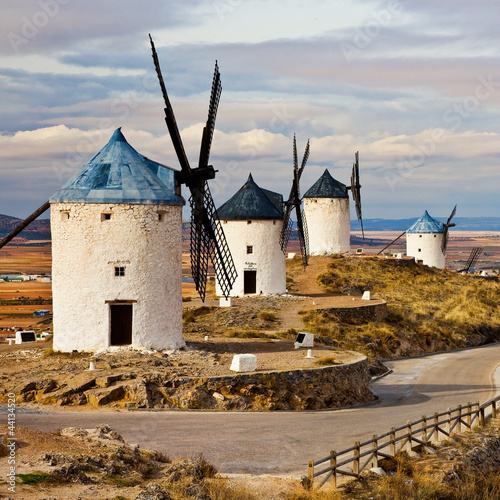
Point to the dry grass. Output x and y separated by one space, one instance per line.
429 309
327 361
267 316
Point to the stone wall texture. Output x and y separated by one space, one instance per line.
366 313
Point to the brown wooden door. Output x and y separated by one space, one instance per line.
249 281
121 324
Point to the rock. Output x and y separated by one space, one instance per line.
100 397
244 363
429 451
378 471
153 492
79 383
218 396
412 454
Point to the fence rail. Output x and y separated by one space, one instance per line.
421 432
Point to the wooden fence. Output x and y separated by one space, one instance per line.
365 455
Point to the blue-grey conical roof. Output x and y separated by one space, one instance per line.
426 224
327 187
119 174
252 203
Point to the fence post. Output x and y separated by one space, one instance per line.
494 409
481 417
333 464
459 419
375 451
355 464
393 442
424 430
310 474
448 422
409 436
469 416
435 432
477 413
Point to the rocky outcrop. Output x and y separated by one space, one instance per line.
301 389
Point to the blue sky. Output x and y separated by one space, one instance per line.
414 86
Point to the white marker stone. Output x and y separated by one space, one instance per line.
244 363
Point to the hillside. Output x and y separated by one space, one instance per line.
37 230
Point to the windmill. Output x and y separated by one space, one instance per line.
294 201
208 241
446 228
355 188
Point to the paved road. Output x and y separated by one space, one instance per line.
281 443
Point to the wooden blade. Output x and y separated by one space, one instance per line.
208 130
208 242
392 242
356 191
304 158
173 130
444 244
24 224
295 161
453 212
286 229
303 235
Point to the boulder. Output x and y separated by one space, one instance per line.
244 363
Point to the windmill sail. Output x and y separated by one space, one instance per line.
208 242
446 228
355 188
294 201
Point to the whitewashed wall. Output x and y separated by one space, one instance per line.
85 251
429 245
328 225
267 257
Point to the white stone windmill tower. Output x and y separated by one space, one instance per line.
326 209
116 252
427 238
252 220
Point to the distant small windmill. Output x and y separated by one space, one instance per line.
294 202
427 240
208 241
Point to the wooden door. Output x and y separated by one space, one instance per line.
249 282
121 324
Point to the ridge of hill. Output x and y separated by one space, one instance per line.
37 230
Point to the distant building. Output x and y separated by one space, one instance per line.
117 254
424 241
326 210
252 221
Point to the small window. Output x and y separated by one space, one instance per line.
419 249
249 249
160 217
249 221
105 217
435 235
274 222
420 236
120 271
64 215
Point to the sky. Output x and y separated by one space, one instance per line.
414 86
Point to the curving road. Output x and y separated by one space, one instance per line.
282 443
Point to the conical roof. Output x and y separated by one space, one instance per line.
252 203
327 187
119 174
426 224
